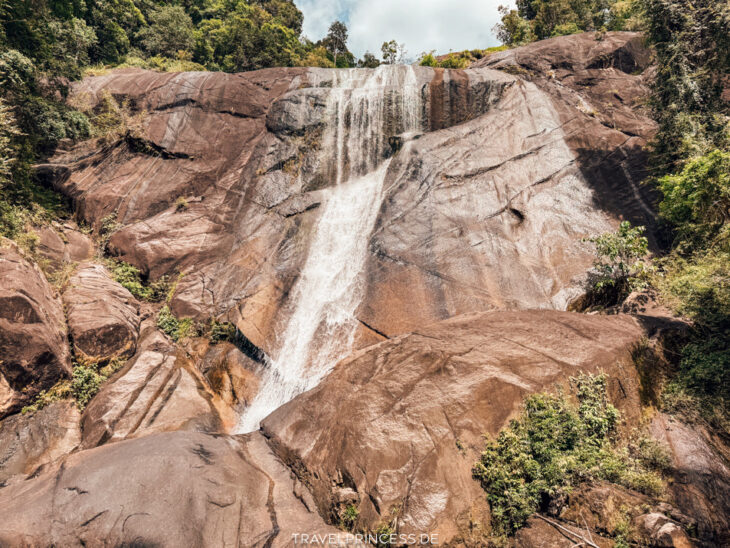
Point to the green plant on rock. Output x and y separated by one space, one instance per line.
554 445
177 329
221 331
85 383
619 267
349 517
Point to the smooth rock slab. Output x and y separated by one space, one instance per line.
172 489
28 441
400 423
103 316
34 354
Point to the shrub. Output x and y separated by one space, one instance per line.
221 331
697 200
349 516
553 446
618 268
177 329
85 383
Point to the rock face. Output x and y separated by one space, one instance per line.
172 489
485 210
158 390
64 244
33 350
398 426
103 317
30 441
701 485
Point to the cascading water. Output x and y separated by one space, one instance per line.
365 107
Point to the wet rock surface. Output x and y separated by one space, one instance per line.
34 353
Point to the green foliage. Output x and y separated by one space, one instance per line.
177 329
59 391
539 19
130 277
221 331
368 61
552 447
349 517
692 45
697 201
619 267
170 30
85 383
336 40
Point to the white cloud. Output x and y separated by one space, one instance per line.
422 25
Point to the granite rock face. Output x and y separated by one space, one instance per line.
32 440
34 353
157 390
399 425
484 208
103 317
170 489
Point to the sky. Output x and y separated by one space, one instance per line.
422 25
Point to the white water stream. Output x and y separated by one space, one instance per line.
362 107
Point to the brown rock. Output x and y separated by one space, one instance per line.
661 531
61 244
387 421
158 390
171 489
538 533
469 222
701 486
103 317
231 374
28 441
34 354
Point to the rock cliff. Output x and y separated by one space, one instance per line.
482 184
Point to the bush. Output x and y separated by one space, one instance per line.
697 200
85 383
553 446
618 269
349 517
177 329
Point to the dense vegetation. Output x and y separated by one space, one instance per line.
540 19
554 446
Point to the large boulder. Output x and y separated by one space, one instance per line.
171 489
396 428
103 317
157 390
34 354
28 441
701 474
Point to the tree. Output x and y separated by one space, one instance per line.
692 44
170 31
390 52
337 39
368 61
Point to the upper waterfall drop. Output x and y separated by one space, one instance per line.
365 108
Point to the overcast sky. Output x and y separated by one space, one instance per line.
423 25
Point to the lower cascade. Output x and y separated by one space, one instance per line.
321 323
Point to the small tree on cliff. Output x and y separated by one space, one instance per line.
337 39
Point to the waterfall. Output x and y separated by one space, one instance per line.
365 108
